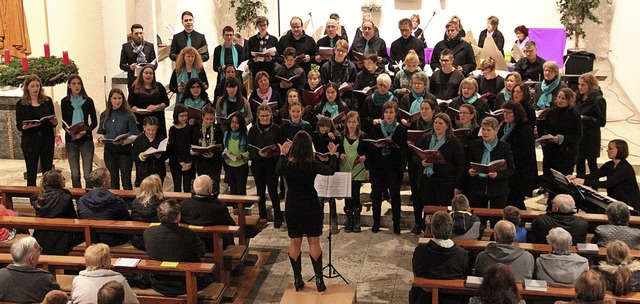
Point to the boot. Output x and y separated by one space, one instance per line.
356 220
334 225
317 269
296 265
348 226
277 219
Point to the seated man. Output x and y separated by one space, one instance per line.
22 281
618 227
111 292
204 209
466 225
170 242
100 204
440 259
561 215
503 251
560 267
530 67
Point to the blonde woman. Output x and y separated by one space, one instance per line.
188 65
97 257
144 206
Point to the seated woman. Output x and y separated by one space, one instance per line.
98 260
620 271
498 287
621 181
439 259
54 201
618 228
590 288
560 267
144 206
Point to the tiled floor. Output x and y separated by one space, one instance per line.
380 264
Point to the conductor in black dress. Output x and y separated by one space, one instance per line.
188 37
304 214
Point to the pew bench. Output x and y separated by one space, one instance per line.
212 294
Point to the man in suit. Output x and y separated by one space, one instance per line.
188 37
136 51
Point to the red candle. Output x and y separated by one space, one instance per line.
25 64
7 56
47 51
65 57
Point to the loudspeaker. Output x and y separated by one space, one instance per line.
577 63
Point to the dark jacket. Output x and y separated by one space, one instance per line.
57 203
304 46
462 54
449 174
400 48
89 116
143 213
481 106
201 210
376 44
497 37
466 226
575 225
441 87
562 157
179 42
530 70
522 145
609 271
492 187
151 164
255 46
25 284
621 182
127 57
593 113
262 136
338 72
101 204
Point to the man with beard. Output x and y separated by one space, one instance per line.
136 51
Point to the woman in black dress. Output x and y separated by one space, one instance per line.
516 131
180 160
593 111
303 212
148 97
37 138
621 181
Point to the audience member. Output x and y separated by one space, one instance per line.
97 257
618 228
111 292
439 259
56 297
145 205
466 225
620 271
512 214
498 287
503 251
590 289
100 204
562 215
22 281
560 267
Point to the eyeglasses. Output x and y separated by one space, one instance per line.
195 87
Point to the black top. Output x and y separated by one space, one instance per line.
530 70
25 284
370 111
173 82
288 131
445 86
262 136
376 44
275 96
394 160
453 154
621 182
326 42
57 203
492 87
575 225
127 57
523 149
206 210
400 48
301 178
151 164
259 44
179 42
29 112
497 37
462 54
143 99
480 105
338 72
88 111
491 186
304 46
228 57
179 144
593 113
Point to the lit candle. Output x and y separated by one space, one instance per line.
65 57
7 56
25 64
47 51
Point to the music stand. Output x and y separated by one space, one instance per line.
333 187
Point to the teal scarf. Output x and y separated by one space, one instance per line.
301 124
434 144
332 109
415 105
234 54
506 131
471 100
507 95
387 131
197 103
486 155
241 138
547 88
379 99
183 76
224 105
76 103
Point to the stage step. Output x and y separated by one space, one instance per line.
335 294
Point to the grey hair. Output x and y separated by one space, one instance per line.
505 232
22 249
441 225
560 240
530 43
564 202
618 213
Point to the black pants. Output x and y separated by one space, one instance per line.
181 179
37 147
119 165
581 168
353 203
264 175
237 178
381 180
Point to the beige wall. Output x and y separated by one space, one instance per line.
624 46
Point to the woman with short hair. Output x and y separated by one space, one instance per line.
97 257
618 227
590 289
560 267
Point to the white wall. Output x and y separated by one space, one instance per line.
624 46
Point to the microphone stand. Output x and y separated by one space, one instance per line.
424 29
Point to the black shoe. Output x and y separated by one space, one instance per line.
356 221
296 265
396 229
417 230
375 228
317 269
277 222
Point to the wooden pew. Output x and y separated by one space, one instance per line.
530 215
187 269
253 223
435 287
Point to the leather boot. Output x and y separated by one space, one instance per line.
348 226
277 219
356 220
296 265
334 225
317 269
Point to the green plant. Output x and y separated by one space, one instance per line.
573 15
247 12
50 70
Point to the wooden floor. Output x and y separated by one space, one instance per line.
245 282
335 294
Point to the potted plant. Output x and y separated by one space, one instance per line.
247 12
573 15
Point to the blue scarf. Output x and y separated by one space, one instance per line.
547 88
224 105
331 108
379 99
471 100
234 54
434 144
387 131
241 137
76 103
506 131
184 76
301 124
197 103
507 95
486 155
415 105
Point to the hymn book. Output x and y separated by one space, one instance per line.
430 156
494 166
162 147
